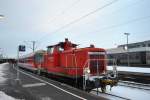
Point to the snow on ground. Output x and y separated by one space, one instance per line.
131 69
126 92
4 96
131 93
2 74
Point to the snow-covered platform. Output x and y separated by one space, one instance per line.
128 69
34 87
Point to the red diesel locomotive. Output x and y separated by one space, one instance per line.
85 67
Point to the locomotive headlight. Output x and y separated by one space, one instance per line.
88 70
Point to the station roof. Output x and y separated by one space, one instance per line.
137 44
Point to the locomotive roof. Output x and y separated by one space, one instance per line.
61 44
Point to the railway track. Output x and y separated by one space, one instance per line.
121 83
134 85
112 95
135 77
124 84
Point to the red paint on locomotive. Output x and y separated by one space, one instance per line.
66 60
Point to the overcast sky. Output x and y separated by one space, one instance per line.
42 21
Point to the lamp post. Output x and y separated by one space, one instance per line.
128 58
1 53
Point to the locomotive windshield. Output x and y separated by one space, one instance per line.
96 55
96 61
50 50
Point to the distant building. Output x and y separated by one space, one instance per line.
139 54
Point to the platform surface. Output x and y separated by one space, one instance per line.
34 87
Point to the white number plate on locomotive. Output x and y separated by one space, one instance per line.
96 53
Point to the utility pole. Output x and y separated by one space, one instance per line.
33 48
33 45
18 64
128 58
1 53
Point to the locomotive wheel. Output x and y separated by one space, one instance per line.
39 72
35 72
103 89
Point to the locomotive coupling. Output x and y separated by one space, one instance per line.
110 82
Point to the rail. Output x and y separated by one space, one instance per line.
134 85
113 95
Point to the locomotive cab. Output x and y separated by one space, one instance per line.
53 53
95 70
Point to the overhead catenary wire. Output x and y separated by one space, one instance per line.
33 47
65 10
125 7
122 24
82 17
71 6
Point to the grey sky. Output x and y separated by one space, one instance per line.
27 20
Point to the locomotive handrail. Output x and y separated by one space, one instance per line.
88 62
87 65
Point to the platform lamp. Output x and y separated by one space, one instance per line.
128 58
2 17
1 53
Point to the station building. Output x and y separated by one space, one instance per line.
139 54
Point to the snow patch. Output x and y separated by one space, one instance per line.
130 69
125 92
131 93
2 72
4 96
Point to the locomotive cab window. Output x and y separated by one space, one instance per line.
50 50
60 49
